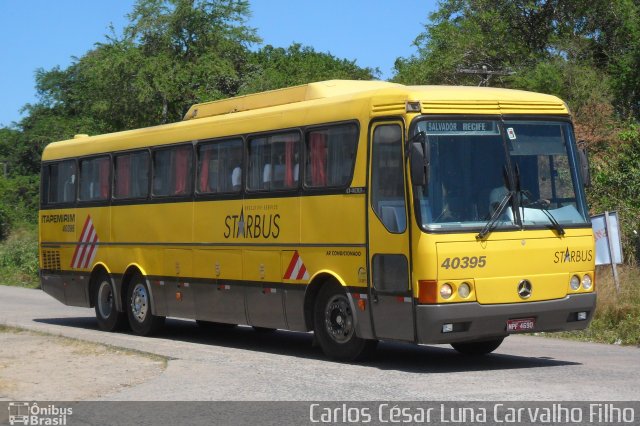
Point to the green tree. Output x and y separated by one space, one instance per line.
276 67
173 53
616 186
578 50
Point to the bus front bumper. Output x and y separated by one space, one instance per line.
476 322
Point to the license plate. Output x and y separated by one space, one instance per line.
520 325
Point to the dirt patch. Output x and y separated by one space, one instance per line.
41 367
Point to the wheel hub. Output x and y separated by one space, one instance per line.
339 319
139 302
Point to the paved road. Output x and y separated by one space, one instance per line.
244 365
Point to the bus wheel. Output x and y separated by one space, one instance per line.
141 320
108 316
334 325
477 348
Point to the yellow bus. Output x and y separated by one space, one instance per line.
359 210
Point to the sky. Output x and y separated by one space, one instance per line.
44 33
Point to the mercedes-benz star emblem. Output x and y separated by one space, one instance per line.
524 289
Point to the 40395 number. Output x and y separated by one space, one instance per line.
464 262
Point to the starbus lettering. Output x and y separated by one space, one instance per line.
259 225
573 256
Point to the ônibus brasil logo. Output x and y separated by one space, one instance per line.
26 413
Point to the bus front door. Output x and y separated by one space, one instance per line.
388 236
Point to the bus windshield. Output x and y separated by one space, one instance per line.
474 164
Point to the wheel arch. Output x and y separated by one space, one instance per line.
131 271
98 268
318 280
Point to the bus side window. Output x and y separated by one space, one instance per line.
172 171
284 156
60 182
330 156
94 179
272 162
131 175
220 167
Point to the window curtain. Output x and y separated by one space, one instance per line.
123 181
204 170
104 178
182 169
318 145
289 160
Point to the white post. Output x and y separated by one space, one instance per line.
614 269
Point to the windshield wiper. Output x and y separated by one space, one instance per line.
493 220
542 206
539 204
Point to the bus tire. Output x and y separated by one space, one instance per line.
107 314
477 348
141 320
334 326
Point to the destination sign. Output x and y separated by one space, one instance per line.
461 128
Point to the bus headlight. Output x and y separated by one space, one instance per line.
586 282
574 283
446 291
464 290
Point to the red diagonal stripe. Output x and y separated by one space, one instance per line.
301 272
85 247
74 259
92 248
292 265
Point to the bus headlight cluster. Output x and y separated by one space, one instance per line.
586 282
447 290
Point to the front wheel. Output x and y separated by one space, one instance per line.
477 348
108 316
334 324
141 320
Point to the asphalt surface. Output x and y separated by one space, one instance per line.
242 364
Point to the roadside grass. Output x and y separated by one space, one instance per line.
617 316
19 258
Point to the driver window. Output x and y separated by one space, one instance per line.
387 178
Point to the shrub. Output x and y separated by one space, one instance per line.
19 197
19 258
616 185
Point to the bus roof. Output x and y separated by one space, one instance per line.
332 100
288 95
443 99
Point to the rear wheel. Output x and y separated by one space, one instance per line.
334 324
108 316
141 320
478 348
